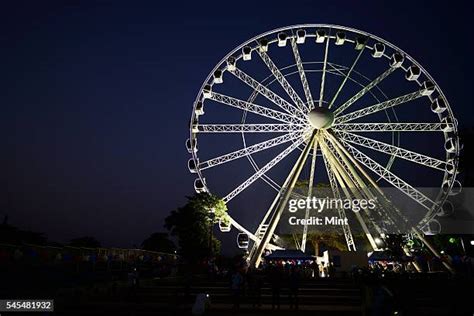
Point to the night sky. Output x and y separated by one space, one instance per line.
96 97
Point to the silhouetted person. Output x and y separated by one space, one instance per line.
275 281
294 285
332 270
254 281
250 279
382 300
258 288
236 288
133 281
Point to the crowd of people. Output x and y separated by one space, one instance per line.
249 283
283 276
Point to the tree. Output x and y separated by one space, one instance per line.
330 240
12 235
159 242
192 224
86 242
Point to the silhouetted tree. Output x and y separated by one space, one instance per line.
192 223
159 242
332 240
12 235
86 241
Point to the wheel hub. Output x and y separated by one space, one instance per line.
321 118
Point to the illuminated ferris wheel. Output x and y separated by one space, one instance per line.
325 103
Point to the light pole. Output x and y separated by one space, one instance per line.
211 224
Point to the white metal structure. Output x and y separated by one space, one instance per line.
330 113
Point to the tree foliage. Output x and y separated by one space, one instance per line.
12 235
192 222
159 242
330 240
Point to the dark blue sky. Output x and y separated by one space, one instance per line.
96 96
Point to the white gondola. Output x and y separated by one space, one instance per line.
207 91
243 241
218 76
360 42
438 105
300 36
231 63
396 60
433 227
378 51
456 188
247 53
446 186
282 38
447 125
191 145
192 166
200 185
447 209
450 145
427 88
413 73
340 38
195 124
450 166
320 36
263 45
224 226
199 109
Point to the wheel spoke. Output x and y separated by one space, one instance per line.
257 255
254 108
393 127
354 168
323 74
247 128
342 214
344 178
389 176
248 150
310 192
282 80
267 93
346 77
304 81
378 107
393 150
263 170
362 92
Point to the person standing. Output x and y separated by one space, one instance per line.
236 288
275 281
294 284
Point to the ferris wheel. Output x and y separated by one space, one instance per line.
324 103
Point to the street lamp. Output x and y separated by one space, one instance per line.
212 216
